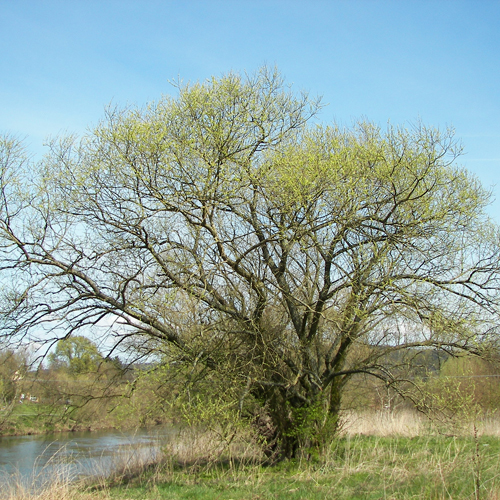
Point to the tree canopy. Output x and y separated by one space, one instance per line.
220 227
77 354
13 366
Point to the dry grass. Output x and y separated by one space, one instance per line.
60 486
190 447
384 423
408 423
490 426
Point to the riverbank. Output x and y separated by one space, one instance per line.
32 418
37 419
396 460
360 467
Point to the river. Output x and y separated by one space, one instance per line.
35 461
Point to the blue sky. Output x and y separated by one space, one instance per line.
63 61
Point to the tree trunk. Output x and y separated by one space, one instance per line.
288 427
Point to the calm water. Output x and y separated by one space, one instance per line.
36 460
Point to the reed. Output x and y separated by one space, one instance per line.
52 483
410 423
384 423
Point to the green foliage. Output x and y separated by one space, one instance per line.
13 367
77 354
464 393
313 428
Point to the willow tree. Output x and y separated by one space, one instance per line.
219 226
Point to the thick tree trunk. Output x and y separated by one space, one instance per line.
278 430
287 430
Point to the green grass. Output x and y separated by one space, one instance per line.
359 467
30 418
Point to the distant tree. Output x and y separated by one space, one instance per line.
77 354
222 231
475 377
13 366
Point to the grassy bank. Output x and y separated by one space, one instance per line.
32 418
360 467
38 418
405 463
